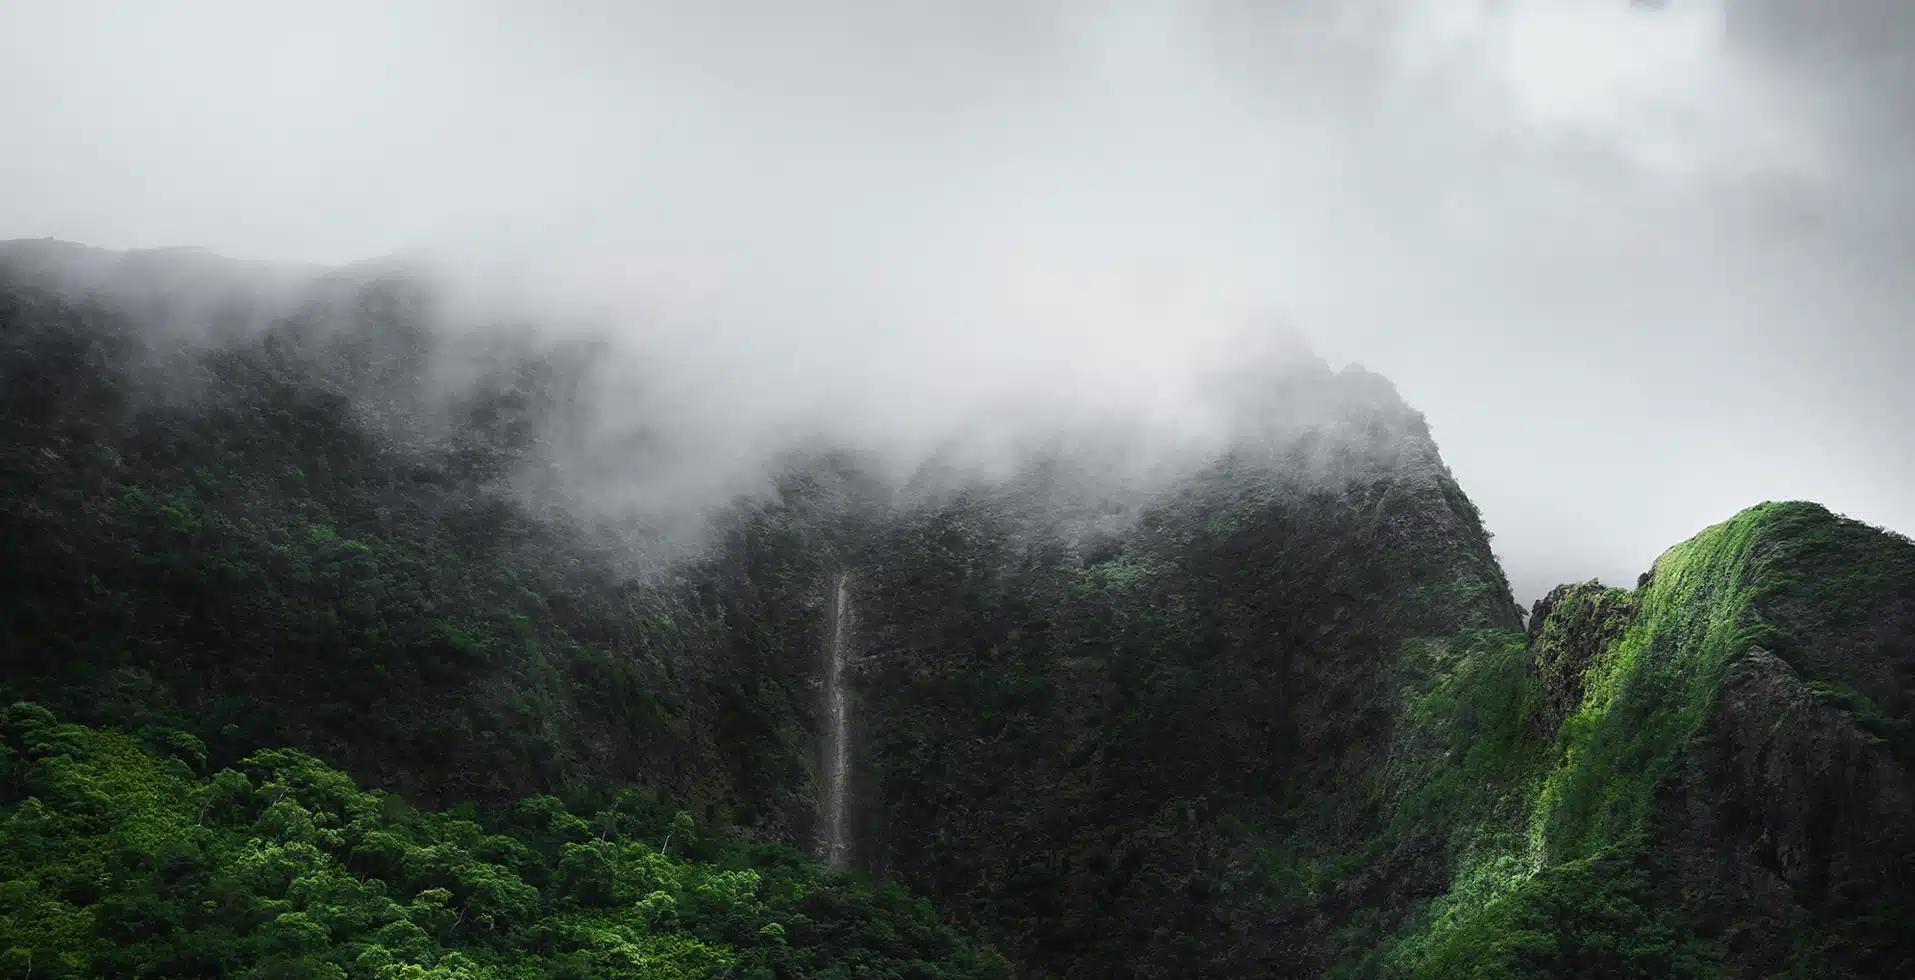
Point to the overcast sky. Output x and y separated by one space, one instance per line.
1640 265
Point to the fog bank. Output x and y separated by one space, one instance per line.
1640 265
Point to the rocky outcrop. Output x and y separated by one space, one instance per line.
1786 815
1743 733
1568 629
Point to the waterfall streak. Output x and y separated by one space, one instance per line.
837 721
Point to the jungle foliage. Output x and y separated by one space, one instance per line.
125 856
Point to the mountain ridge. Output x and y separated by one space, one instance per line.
1275 715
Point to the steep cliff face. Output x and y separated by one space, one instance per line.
1789 818
1137 731
262 527
1794 828
1729 788
1088 747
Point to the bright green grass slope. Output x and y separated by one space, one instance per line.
117 860
1599 883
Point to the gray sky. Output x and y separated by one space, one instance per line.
1641 267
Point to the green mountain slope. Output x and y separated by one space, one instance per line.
1274 716
274 538
1724 785
1095 751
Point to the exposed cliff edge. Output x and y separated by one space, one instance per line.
1727 789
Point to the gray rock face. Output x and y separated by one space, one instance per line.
1784 804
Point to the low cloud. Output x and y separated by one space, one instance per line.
1640 264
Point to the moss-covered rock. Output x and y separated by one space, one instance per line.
1735 735
1568 629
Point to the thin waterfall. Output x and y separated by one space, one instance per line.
837 726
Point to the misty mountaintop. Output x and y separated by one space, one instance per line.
346 636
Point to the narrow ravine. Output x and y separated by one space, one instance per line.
837 756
